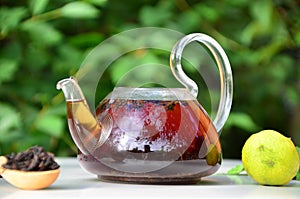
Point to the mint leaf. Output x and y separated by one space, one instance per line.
236 170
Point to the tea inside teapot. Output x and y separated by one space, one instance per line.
153 130
158 120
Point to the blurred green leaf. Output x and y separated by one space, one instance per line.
11 51
42 33
298 176
38 6
10 18
97 2
189 21
237 3
207 12
155 16
50 124
249 32
36 57
90 39
297 37
9 118
243 121
292 96
126 63
262 12
79 9
68 58
10 126
8 67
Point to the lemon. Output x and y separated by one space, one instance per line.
270 158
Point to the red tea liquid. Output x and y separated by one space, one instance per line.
151 141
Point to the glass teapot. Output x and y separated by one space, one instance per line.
151 135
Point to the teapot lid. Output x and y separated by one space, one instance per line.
161 94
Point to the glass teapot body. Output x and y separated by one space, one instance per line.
159 135
151 135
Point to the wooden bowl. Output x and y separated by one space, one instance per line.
29 180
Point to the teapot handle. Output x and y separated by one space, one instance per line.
224 68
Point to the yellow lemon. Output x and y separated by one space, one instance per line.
270 158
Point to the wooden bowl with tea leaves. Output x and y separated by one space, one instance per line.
29 170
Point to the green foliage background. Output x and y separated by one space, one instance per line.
43 41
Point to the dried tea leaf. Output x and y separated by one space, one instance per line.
33 159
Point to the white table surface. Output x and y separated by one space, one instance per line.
73 182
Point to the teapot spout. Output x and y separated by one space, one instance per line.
87 132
